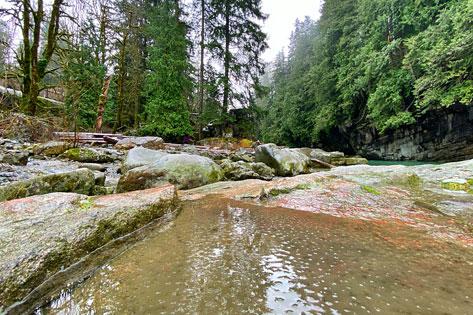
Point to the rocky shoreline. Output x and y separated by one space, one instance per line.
60 203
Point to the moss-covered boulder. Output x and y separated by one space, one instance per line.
87 155
14 157
183 170
286 162
244 170
41 236
51 148
325 156
79 181
140 156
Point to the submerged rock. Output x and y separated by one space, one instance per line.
155 143
42 235
79 181
87 155
286 162
183 170
243 170
51 148
139 156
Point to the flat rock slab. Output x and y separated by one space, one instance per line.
41 235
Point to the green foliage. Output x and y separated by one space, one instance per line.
379 63
168 82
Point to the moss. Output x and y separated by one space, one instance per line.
287 190
414 181
470 181
456 185
86 204
371 190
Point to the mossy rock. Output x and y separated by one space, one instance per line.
286 162
186 171
87 155
80 181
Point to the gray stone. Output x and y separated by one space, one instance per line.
94 167
99 178
42 235
286 162
324 156
139 156
183 170
243 170
78 181
51 148
14 157
155 143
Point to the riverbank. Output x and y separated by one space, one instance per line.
434 201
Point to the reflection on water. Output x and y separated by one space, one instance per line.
223 257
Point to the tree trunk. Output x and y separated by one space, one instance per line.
102 102
202 66
121 83
26 58
227 60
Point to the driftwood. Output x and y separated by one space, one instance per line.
86 137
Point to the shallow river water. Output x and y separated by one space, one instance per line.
226 257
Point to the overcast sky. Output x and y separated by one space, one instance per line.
279 25
282 15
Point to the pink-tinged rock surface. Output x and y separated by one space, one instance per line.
42 235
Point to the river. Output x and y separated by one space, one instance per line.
228 257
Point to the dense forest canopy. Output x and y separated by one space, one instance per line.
378 63
173 68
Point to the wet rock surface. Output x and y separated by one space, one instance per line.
42 235
139 156
88 155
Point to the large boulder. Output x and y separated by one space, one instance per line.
244 170
79 181
41 236
139 156
183 170
349 161
87 155
51 148
128 143
286 162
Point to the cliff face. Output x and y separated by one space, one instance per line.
442 135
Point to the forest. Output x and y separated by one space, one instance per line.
193 68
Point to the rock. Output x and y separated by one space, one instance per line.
348 161
183 170
243 170
140 157
99 178
43 235
14 157
455 184
242 156
103 190
324 156
94 167
155 143
286 162
87 155
51 148
79 181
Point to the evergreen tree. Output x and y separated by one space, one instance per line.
168 83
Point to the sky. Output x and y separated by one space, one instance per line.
279 25
282 15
